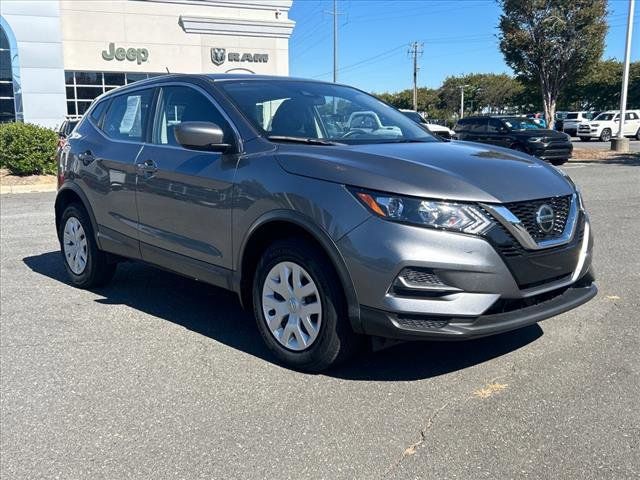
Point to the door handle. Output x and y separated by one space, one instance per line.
86 157
147 167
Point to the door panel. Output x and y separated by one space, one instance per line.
184 196
106 157
185 205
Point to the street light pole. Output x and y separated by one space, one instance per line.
621 144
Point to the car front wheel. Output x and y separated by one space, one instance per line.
585 139
605 136
299 308
86 265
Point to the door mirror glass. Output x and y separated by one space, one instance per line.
200 136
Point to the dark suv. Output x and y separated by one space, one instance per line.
517 133
329 228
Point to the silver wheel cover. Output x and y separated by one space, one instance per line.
74 243
291 306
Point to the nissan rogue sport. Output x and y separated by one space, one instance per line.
329 231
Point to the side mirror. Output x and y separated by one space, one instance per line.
201 136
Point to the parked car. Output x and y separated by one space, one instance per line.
573 119
233 180
439 130
538 119
517 133
606 125
559 123
65 130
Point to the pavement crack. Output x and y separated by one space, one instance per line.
485 392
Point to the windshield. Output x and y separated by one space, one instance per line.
606 116
313 110
521 124
572 116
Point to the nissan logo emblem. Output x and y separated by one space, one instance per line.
545 218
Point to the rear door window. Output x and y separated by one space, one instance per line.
478 125
128 115
494 126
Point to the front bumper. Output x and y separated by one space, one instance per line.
414 327
488 297
552 151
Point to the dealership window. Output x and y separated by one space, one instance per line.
7 100
84 87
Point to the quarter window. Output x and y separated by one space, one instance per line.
630 116
184 104
127 116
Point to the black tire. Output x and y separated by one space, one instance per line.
605 136
637 137
335 341
585 139
99 268
519 148
559 161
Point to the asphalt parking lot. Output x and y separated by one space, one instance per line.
157 376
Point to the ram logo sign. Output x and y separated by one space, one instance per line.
219 55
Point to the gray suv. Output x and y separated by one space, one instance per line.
330 214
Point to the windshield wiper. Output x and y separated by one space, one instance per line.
308 141
409 140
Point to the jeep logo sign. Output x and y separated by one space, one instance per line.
219 55
137 55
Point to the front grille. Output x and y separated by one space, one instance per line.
526 213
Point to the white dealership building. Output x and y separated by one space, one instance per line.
56 56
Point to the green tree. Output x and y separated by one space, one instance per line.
600 88
552 42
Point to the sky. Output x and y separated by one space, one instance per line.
459 37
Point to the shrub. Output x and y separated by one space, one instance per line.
27 149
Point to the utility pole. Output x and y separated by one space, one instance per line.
335 40
462 100
621 143
415 50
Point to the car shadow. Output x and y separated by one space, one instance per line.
217 314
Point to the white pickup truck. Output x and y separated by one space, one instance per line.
606 125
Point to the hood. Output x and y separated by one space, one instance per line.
444 170
541 133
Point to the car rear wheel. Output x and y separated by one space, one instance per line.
86 265
605 136
559 161
585 139
300 309
638 134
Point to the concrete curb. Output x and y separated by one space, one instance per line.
38 188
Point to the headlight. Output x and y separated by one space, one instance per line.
536 139
457 217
